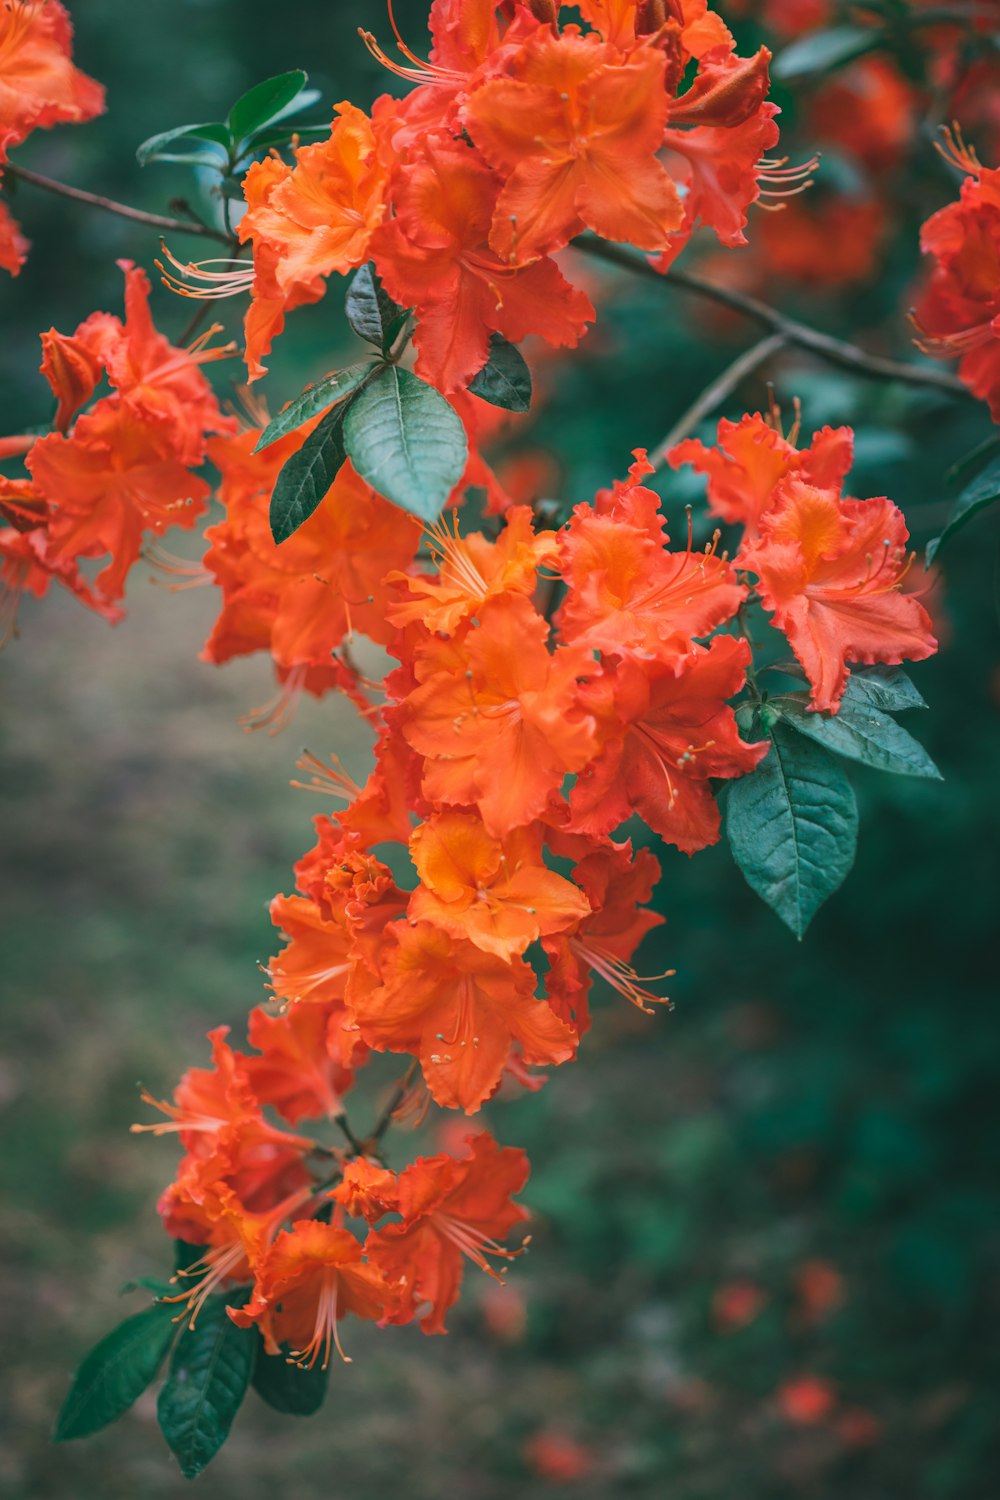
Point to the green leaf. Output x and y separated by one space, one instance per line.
505 379
980 492
888 688
822 51
187 1255
265 103
859 732
209 1374
315 398
792 825
406 441
370 310
151 149
154 1284
286 1387
116 1372
307 476
282 135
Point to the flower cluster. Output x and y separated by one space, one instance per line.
109 476
39 87
519 134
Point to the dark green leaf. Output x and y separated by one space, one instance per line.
315 398
282 135
287 1388
822 51
265 103
116 1372
406 441
151 149
882 687
859 732
154 1284
187 1255
209 1374
980 492
370 310
505 379
792 825
307 476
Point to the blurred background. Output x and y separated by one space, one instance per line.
765 1256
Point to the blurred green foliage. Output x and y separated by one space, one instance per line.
830 1102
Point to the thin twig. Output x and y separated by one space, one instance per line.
717 392
399 1093
835 351
109 205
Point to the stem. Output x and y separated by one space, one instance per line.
109 205
835 351
399 1093
717 392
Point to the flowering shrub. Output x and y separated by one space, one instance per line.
569 679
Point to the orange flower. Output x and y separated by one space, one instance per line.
830 570
452 1209
318 957
39 86
723 171
367 1191
471 570
13 245
311 1277
458 1010
302 598
73 369
575 130
750 459
434 256
668 731
498 718
25 566
307 221
497 893
298 1073
626 591
117 477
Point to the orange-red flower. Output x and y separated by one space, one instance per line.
14 246
722 169
458 1010
497 717
308 221
575 130
452 1209
298 1072
668 732
498 893
311 1278
830 570
39 86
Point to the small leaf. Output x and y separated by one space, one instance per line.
265 103
151 149
116 1372
315 398
822 51
888 688
282 135
505 379
859 732
980 492
370 310
286 1387
307 476
406 441
792 825
209 1374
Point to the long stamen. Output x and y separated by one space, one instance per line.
332 779
956 152
622 976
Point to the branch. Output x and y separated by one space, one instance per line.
717 392
835 351
109 205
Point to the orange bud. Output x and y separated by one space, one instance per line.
724 93
72 371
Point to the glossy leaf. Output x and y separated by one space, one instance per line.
822 51
209 1373
406 441
792 825
152 149
980 492
265 102
859 732
286 1387
314 399
505 379
370 310
888 688
116 1372
307 476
